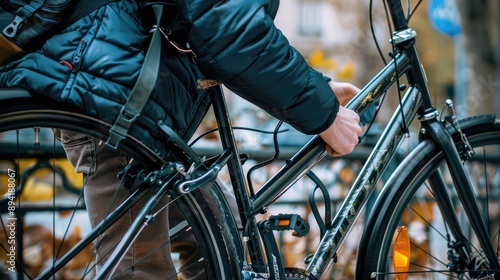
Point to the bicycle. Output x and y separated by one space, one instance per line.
434 171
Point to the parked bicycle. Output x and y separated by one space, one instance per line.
441 173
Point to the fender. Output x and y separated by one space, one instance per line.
473 121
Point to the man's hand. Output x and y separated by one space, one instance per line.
344 91
343 135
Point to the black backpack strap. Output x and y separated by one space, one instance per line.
84 8
81 9
142 89
27 10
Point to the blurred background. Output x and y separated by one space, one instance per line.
458 41
459 46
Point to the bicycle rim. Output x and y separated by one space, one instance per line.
408 206
48 218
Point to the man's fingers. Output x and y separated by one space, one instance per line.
335 153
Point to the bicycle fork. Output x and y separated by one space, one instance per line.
437 132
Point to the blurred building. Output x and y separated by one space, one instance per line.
336 37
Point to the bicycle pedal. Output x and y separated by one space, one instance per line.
293 222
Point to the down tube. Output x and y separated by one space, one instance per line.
365 183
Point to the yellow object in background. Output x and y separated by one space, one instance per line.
342 72
40 184
318 60
35 190
346 72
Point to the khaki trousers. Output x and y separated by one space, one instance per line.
104 193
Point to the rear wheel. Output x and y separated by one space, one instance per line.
44 210
408 207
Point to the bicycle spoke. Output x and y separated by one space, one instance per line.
434 246
62 230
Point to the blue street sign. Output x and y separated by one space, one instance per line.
444 16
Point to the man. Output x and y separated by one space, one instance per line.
95 62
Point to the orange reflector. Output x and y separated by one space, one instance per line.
401 253
284 223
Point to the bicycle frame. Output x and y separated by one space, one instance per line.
416 101
314 151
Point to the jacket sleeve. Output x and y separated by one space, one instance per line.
236 42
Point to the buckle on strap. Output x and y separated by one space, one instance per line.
142 89
11 29
121 126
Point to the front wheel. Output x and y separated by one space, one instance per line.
409 236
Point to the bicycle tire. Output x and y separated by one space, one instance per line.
205 210
406 201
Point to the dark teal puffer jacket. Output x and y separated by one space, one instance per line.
94 63
236 42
